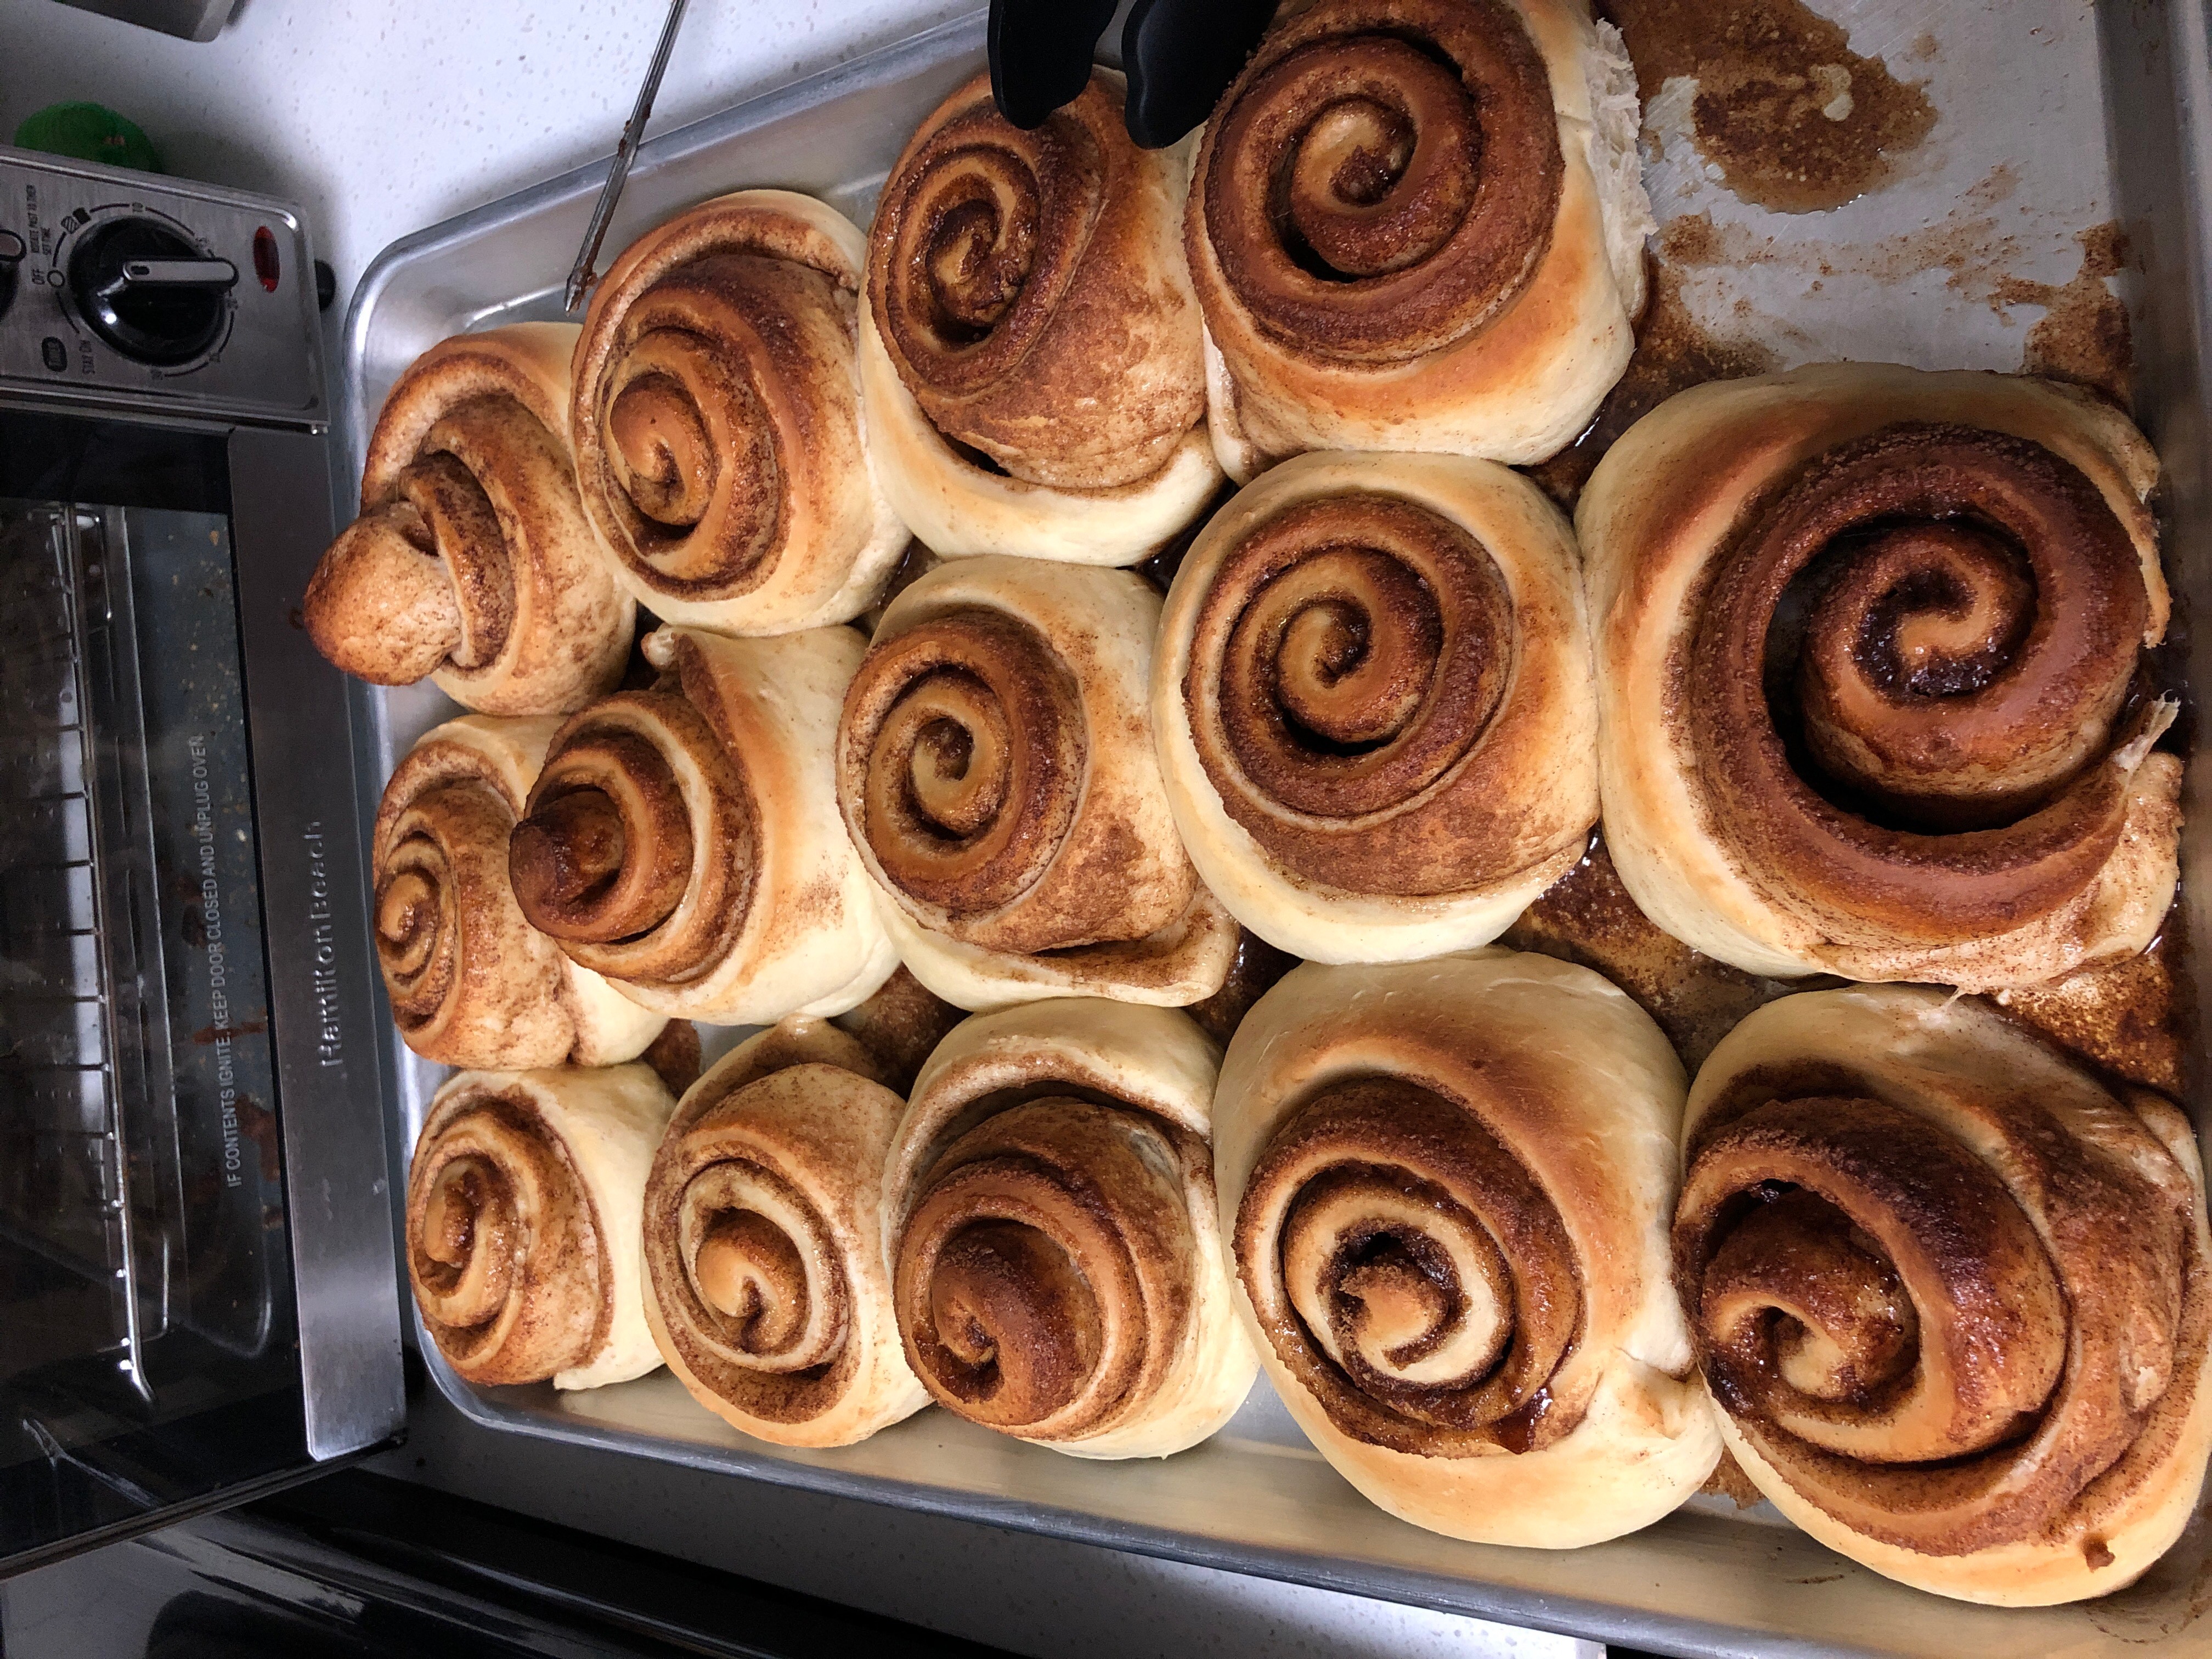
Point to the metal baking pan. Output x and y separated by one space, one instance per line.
2052 118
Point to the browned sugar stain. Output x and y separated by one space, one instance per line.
1673 354
1794 120
674 1055
1728 1480
1588 917
2126 1017
2084 335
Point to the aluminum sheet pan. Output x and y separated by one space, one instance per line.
2053 117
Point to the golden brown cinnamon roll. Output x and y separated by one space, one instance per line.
522 1223
1030 349
1373 700
1418 225
1058 1269
471 564
1870 665
716 420
1950 1295
471 982
1447 1186
996 769
683 841
768 1282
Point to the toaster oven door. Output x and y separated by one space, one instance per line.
196 1267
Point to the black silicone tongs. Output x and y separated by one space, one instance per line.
1180 56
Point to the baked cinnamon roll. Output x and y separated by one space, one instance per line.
471 982
1447 1186
1870 652
1373 700
471 564
523 1201
1059 1273
684 840
716 420
996 769
767 1283
1029 349
1950 1294
1418 225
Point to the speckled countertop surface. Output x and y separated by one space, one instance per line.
381 117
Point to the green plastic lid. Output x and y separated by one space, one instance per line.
88 132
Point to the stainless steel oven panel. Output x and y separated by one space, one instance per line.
256 366
2102 115
326 1019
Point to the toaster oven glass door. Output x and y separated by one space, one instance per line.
150 1359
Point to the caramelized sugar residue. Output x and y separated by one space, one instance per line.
1588 917
1673 354
2126 1017
2084 335
1793 118
1728 1480
674 1055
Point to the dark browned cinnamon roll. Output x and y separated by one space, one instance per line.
1449 1181
522 1223
1374 704
471 564
1031 350
767 1278
1417 224
1949 1294
1870 647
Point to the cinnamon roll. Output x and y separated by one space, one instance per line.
1447 1186
767 1286
472 983
471 564
1029 347
684 840
996 769
1418 225
716 420
1949 1293
1870 651
1059 1273
1373 702
522 1224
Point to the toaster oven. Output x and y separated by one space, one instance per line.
196 1283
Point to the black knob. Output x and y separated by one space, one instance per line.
148 292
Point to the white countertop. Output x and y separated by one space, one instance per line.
383 116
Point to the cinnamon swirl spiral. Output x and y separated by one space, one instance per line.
471 982
768 1286
1870 664
1418 225
1373 700
1949 1294
716 420
684 840
1030 349
523 1201
1446 1186
995 770
1059 1273
471 564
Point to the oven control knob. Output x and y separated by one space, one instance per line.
11 256
149 292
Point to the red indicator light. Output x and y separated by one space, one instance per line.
264 258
